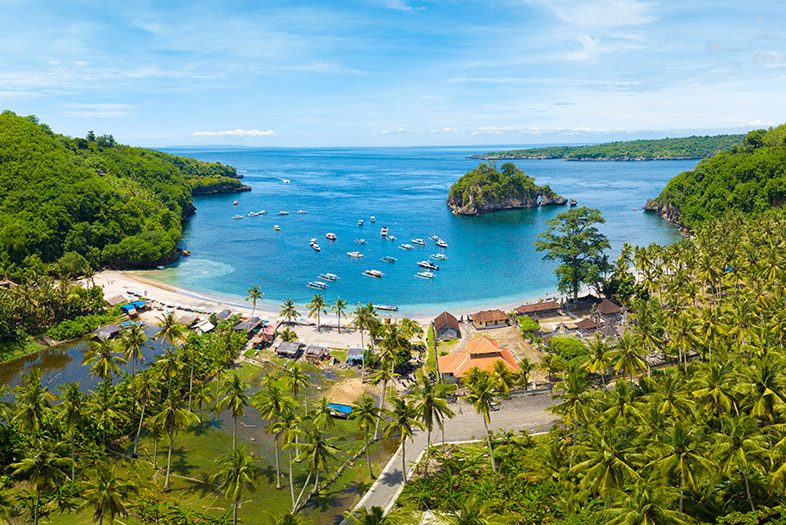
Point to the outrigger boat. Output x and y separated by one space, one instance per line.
316 247
387 307
388 259
425 275
360 241
316 285
373 273
420 242
384 231
328 276
275 227
236 217
360 222
330 236
406 246
438 256
282 212
428 264
356 255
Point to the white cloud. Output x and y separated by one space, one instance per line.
398 5
236 133
433 131
600 13
97 110
535 130
590 49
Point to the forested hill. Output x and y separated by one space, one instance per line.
750 178
658 149
113 205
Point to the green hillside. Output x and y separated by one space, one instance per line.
694 147
750 178
114 205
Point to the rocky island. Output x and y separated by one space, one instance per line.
486 189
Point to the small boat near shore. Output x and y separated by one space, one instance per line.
316 247
356 255
386 307
391 237
316 285
373 273
373 219
236 217
384 231
419 242
406 246
438 256
282 212
360 222
388 259
572 202
276 227
301 212
442 244
425 275
360 241
328 276
428 265
330 236
235 203
434 237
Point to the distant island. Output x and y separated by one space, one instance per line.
749 178
486 189
683 148
93 202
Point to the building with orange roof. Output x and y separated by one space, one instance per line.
482 353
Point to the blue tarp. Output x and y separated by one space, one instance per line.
354 355
136 305
339 410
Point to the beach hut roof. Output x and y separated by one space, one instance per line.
289 348
445 319
317 351
490 316
587 323
204 326
606 307
187 319
108 331
224 314
248 325
117 299
482 353
537 308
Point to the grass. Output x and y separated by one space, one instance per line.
16 349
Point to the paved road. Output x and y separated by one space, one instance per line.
528 412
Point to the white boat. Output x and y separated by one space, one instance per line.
330 236
392 237
356 255
373 273
373 219
276 227
442 244
316 247
387 259
419 242
406 246
428 264
235 203
313 240
438 256
384 231
360 222
301 212
316 285
388 307
252 214
360 241
425 275
286 181
236 217
283 213
328 276
262 212
435 237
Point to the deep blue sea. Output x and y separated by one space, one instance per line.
491 258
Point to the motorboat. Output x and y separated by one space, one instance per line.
356 255
384 231
438 256
235 203
262 212
388 259
316 247
328 276
428 265
252 214
373 219
373 273
286 181
391 237
425 275
283 213
277 228
301 212
386 307
406 246
330 236
360 222
435 237
236 217
442 244
313 241
317 285
572 202
360 241
419 242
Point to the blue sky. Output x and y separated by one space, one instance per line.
394 72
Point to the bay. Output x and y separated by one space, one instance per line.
491 259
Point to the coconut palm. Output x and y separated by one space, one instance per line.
235 399
316 450
295 379
404 419
364 320
606 466
254 295
627 356
322 416
598 362
482 395
33 401
171 418
272 404
340 306
171 330
132 342
44 467
288 428
144 387
431 405
680 454
382 376
503 378
410 328
317 306
104 405
740 448
103 359
525 370
288 311
366 415
71 412
643 505
236 473
107 494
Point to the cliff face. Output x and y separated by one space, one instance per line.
665 210
477 206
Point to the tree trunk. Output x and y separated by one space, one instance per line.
368 459
190 384
37 503
139 429
234 432
491 449
155 453
404 460
278 467
291 480
428 450
748 490
73 459
316 482
381 406
169 459
234 511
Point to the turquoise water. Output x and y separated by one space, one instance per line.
491 259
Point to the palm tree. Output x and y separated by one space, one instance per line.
71 413
340 307
104 405
679 454
606 466
642 507
627 356
236 473
316 450
366 414
171 418
474 511
288 428
598 362
143 387
171 330
316 309
287 519
103 359
254 295
132 342
33 401
741 447
715 387
382 376
404 418
236 400
295 379
272 404
363 320
410 328
44 467
764 386
322 416
288 311
482 396
107 494
431 405
525 369
503 378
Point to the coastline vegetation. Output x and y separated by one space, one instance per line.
694 147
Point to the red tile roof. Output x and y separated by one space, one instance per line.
482 353
490 316
606 307
445 319
534 308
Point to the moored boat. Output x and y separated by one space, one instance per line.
388 259
236 217
428 264
276 227
373 219
373 273
391 237
406 246
386 307
442 244
301 212
384 231
356 255
235 203
328 276
282 212
316 247
360 241
425 275
330 236
419 242
360 222
262 212
316 285
434 237
438 256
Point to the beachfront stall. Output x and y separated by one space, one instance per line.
289 349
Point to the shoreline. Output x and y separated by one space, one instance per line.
120 282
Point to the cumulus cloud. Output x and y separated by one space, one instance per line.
236 133
398 5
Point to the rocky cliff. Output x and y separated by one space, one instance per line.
477 206
665 210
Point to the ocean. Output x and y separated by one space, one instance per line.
491 261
